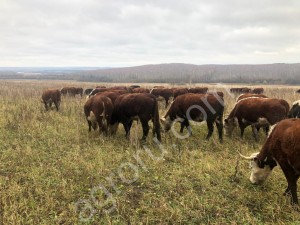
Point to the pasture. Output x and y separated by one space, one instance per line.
53 171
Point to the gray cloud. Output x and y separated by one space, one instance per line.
132 32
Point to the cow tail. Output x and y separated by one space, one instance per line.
156 124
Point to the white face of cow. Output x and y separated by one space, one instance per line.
229 125
259 175
166 123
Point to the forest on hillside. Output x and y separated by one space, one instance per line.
176 73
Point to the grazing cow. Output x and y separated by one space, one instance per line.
257 91
98 110
179 91
198 90
295 110
72 91
127 107
240 90
140 90
51 96
257 112
249 95
196 107
281 147
88 91
134 86
113 95
166 93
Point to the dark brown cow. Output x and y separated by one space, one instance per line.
97 90
140 90
249 95
198 90
98 110
179 91
196 107
240 90
166 93
298 91
72 91
51 96
127 107
88 91
257 91
257 112
295 110
282 147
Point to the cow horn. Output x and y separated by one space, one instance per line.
249 157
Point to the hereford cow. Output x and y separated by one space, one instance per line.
257 91
282 147
140 90
113 95
98 110
51 96
127 107
240 90
295 110
249 95
198 90
196 107
257 112
166 93
179 91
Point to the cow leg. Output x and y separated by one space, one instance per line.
90 125
46 106
183 124
219 125
292 182
210 127
254 131
242 128
127 125
145 126
167 102
267 129
56 105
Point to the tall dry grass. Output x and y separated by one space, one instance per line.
49 162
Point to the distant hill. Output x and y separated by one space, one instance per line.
280 73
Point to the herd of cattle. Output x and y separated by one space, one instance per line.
107 107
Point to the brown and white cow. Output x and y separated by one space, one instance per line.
196 107
144 106
295 110
98 111
250 95
281 147
257 112
166 93
51 96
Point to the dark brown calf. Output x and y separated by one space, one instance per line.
98 110
128 107
51 96
257 91
196 107
282 147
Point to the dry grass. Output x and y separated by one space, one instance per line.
49 161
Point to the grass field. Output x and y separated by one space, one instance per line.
53 171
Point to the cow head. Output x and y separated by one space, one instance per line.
166 123
260 169
295 110
229 125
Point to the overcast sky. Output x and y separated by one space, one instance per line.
135 32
